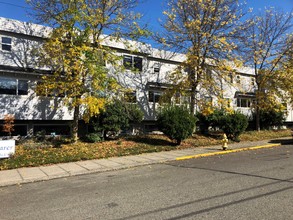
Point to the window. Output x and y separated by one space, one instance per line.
156 68
13 86
131 62
130 97
138 63
18 130
157 96
6 43
181 99
8 86
243 102
127 61
22 87
49 129
154 96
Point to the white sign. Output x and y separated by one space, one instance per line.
7 147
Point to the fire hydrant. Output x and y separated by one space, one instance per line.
225 142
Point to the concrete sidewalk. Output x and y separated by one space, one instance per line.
32 174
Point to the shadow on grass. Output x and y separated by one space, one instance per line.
283 141
153 141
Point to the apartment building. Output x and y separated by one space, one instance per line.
19 76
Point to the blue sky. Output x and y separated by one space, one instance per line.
152 9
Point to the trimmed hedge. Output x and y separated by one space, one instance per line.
176 123
233 125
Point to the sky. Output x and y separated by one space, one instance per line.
151 9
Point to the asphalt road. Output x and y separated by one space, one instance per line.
245 185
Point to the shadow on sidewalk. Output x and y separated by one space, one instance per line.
283 141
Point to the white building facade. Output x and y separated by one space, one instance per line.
33 113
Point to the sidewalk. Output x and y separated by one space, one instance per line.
32 174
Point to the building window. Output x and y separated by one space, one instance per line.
127 61
154 96
18 130
130 97
137 63
131 62
6 43
49 129
243 102
181 99
13 86
156 68
22 87
157 96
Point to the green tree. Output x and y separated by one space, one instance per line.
205 31
266 41
76 51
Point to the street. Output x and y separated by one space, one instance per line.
245 185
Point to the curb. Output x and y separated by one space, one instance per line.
227 152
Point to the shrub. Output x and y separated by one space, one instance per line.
233 124
93 138
210 120
272 117
176 123
116 117
40 135
134 113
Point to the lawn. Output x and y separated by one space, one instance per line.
32 153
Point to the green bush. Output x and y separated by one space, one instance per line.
176 123
93 138
116 117
211 120
134 113
233 124
40 135
273 117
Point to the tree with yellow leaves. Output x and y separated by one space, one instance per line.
76 52
266 43
205 32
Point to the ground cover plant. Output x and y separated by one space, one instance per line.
35 153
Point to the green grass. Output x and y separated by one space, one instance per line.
29 154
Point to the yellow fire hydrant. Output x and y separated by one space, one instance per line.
225 142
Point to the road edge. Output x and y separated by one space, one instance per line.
227 151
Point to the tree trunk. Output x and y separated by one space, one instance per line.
192 100
74 131
193 91
257 118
